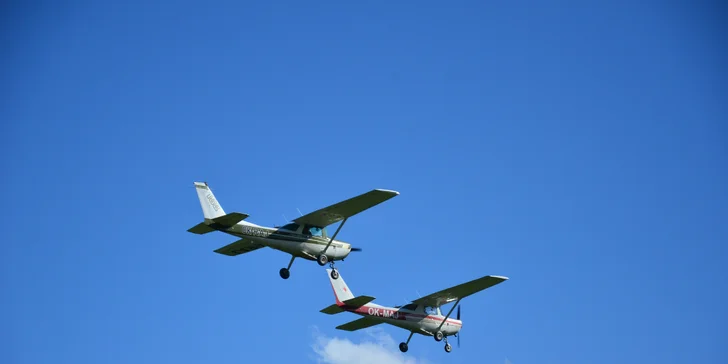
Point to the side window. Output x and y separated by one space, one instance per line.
431 310
291 227
313 230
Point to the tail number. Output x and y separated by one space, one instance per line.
213 202
383 312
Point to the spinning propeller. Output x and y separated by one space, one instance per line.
356 249
460 328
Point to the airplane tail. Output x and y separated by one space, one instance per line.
210 207
341 290
215 216
344 296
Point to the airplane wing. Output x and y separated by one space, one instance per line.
448 295
241 246
359 324
345 209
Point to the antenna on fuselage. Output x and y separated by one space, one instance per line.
284 218
299 211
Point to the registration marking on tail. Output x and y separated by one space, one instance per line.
213 202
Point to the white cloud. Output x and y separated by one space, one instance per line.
378 348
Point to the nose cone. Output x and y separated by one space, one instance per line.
347 250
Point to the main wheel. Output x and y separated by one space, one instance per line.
322 259
448 348
438 336
284 273
403 347
334 274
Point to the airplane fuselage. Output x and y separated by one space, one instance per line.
418 322
299 245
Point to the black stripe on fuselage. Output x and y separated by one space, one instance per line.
265 233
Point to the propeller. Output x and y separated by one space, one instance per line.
356 249
460 328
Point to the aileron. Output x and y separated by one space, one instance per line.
460 291
345 209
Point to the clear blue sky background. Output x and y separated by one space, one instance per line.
580 148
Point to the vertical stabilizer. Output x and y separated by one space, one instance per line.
210 207
341 290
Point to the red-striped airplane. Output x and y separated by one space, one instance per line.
421 316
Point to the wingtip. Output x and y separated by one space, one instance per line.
501 277
392 192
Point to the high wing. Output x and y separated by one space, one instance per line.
460 291
241 246
345 209
359 324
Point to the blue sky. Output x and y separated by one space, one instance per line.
579 148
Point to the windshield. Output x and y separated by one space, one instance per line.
291 227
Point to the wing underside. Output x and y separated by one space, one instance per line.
241 246
359 324
345 209
460 291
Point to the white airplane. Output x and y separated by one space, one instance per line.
305 237
421 316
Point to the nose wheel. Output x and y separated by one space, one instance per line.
334 272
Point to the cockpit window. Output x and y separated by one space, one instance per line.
291 227
411 307
432 311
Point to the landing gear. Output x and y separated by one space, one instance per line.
285 272
403 346
438 336
448 348
322 260
334 272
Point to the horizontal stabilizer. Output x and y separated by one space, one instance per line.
332 310
226 221
201 228
358 301
238 247
359 324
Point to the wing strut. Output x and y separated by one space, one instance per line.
334 236
448 315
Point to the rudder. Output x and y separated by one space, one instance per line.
341 290
210 207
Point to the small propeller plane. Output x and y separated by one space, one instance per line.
421 316
306 237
